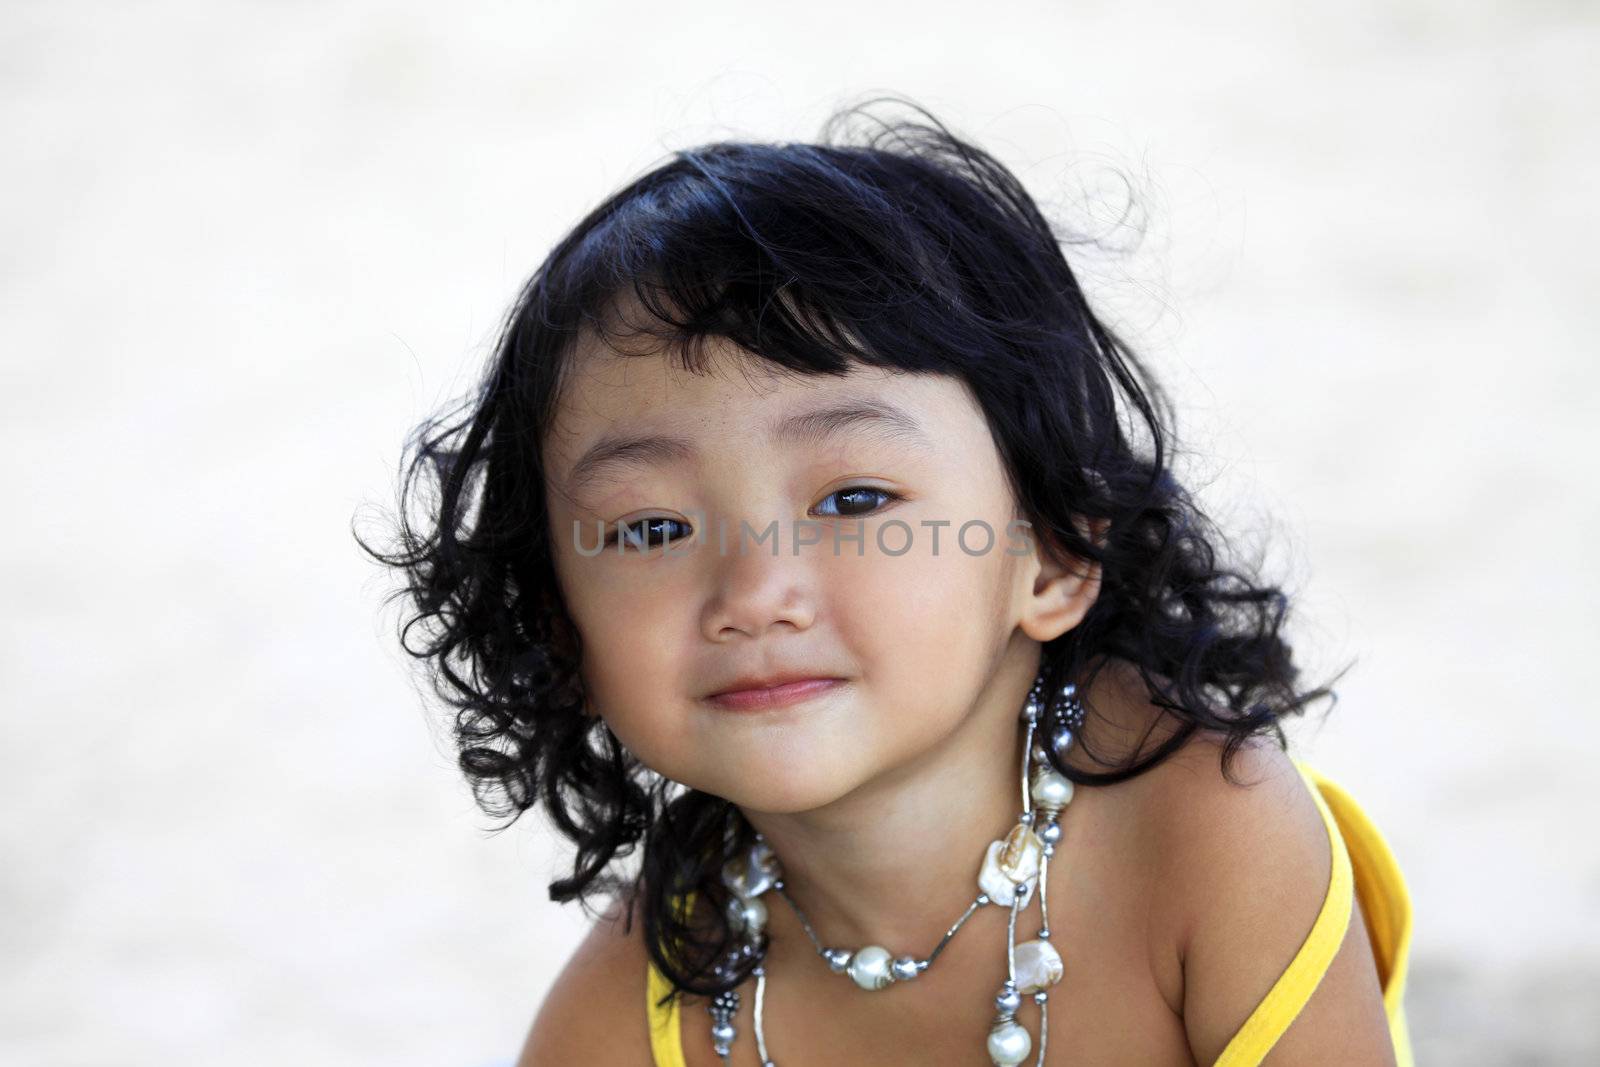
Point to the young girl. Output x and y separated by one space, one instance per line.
801 542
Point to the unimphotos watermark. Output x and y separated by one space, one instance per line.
893 537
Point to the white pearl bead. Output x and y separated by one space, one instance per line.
1009 1044
754 914
1052 790
869 967
747 914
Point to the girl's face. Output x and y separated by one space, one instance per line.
914 625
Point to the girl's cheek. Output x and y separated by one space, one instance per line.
922 561
637 613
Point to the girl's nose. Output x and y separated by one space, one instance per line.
758 591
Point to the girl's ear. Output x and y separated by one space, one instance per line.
1064 587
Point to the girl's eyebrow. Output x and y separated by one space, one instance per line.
881 419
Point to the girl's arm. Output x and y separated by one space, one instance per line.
1248 870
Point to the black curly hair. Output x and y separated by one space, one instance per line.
906 248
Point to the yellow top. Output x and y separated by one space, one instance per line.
1362 862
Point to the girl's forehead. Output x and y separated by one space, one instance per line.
631 404
607 384
733 393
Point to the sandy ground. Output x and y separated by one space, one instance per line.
247 247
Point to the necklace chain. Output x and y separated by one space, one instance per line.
1011 868
833 955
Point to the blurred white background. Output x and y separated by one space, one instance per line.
247 247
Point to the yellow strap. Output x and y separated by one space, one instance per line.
1294 987
666 1030
1386 903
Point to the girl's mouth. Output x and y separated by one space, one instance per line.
777 696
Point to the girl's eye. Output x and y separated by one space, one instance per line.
857 500
655 531
646 533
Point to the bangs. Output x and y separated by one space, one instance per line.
812 257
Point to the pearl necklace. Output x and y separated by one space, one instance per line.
1010 869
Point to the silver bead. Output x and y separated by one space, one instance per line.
905 968
1031 711
838 959
1040 756
1008 1000
723 1007
1044 931
1040 997
1049 833
752 873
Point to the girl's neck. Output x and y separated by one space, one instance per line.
895 862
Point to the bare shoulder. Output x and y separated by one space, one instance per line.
1259 814
1245 871
595 1011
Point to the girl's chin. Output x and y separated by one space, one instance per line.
770 793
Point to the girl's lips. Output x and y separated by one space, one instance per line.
779 696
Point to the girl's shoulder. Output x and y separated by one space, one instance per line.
1246 873
1185 811
1208 829
1197 822
594 1011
